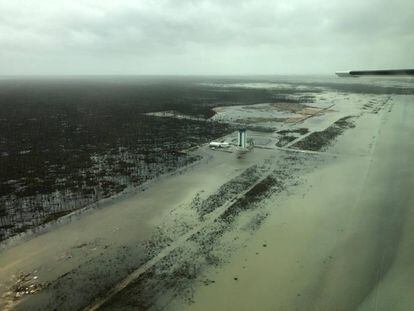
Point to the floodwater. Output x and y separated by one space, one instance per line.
336 236
343 241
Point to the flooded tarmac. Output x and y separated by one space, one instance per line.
340 241
320 221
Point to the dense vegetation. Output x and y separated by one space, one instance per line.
67 143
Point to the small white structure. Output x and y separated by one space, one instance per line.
242 138
215 144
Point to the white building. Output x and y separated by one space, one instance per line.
215 144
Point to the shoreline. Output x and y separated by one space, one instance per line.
103 203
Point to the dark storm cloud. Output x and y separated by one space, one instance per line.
251 36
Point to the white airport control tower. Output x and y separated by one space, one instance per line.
242 138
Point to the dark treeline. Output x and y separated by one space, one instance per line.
66 143
33 97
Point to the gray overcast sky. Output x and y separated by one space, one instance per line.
204 37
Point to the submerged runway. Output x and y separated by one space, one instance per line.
331 230
344 241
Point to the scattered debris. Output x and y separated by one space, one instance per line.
24 284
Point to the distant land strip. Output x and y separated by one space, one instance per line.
384 72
